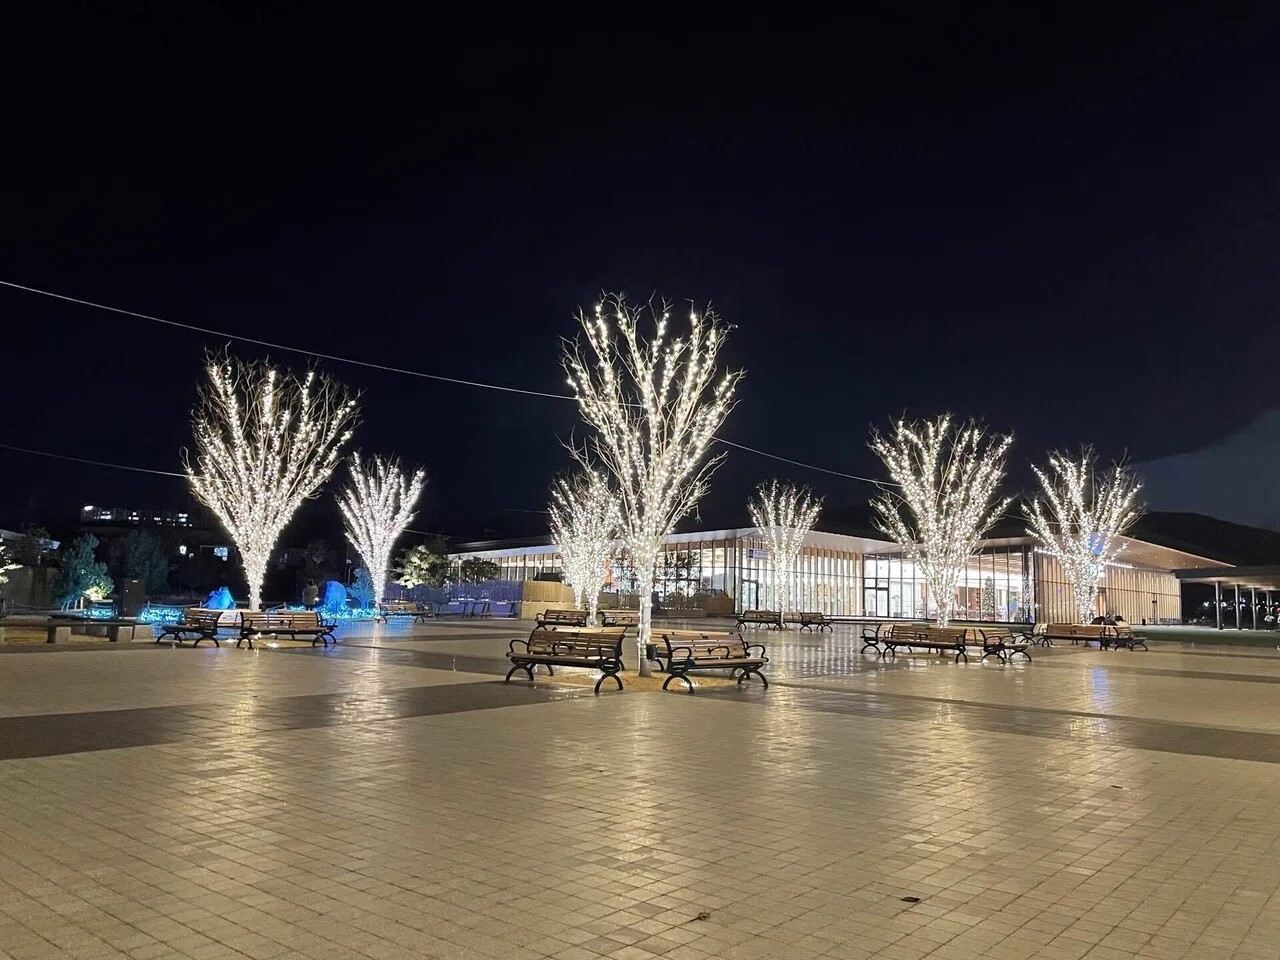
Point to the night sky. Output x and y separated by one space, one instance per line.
1067 228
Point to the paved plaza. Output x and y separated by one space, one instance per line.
390 798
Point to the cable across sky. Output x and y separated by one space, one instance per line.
222 334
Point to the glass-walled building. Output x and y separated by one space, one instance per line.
723 572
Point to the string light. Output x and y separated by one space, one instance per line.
654 405
1081 520
584 527
948 482
264 442
6 567
784 514
377 507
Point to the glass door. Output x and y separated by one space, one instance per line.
875 601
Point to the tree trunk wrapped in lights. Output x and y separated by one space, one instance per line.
584 525
945 501
264 442
377 507
1081 519
784 514
654 403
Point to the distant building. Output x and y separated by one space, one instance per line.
863 575
188 532
91 516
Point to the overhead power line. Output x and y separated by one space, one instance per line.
96 463
222 334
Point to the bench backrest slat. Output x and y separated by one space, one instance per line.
591 642
289 620
685 644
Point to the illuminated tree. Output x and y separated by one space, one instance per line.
784 514
377 507
264 442
6 567
81 573
1081 519
584 526
654 403
945 498
478 570
423 565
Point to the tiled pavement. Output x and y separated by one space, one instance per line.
389 798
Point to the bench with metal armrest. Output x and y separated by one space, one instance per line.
294 624
769 618
598 648
561 618
814 618
690 651
916 637
202 623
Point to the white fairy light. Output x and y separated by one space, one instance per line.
377 507
1081 520
584 528
654 404
784 514
945 502
6 567
264 442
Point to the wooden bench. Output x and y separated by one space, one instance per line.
62 625
810 619
203 623
912 636
619 618
561 618
294 624
769 618
873 635
1002 643
1122 635
597 648
1085 633
688 651
403 608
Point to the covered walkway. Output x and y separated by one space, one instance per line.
1264 580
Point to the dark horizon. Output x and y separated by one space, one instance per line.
1057 227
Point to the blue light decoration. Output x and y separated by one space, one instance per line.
220 599
340 613
159 613
335 596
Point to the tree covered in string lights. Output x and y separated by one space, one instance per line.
6 567
377 507
1081 519
584 527
654 403
265 440
784 514
945 498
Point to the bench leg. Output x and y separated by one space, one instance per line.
960 653
753 671
526 667
678 676
605 675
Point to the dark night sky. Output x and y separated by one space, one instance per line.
900 214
